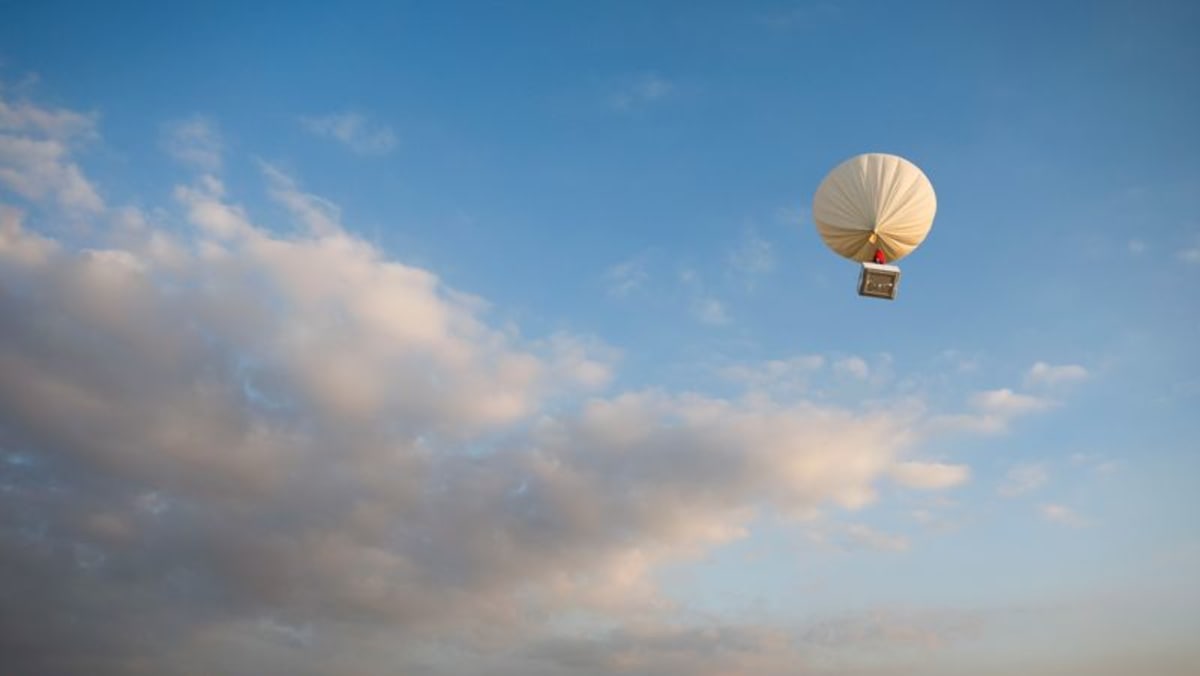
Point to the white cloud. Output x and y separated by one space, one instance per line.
54 123
583 362
752 258
855 367
318 215
327 435
239 443
959 362
703 306
640 91
626 277
207 210
355 131
1137 247
1045 374
1191 255
1061 515
37 168
194 141
1022 479
1005 402
35 147
929 475
993 411
781 377
709 310
1096 463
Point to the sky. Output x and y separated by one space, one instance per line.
497 338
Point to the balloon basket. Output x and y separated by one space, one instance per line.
878 281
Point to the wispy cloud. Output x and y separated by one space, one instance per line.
194 141
355 131
854 367
1008 403
318 215
1045 374
753 258
1022 479
703 306
959 361
784 377
640 91
929 475
22 116
860 535
1061 515
36 144
1190 255
626 277
993 411
709 310
1097 464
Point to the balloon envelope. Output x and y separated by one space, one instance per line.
874 201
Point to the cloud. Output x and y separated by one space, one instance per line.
710 311
1045 374
318 215
1190 256
1095 463
582 362
640 91
626 277
1006 402
228 448
854 643
354 131
1061 515
1022 479
780 377
35 148
703 306
54 123
929 475
855 367
993 411
753 258
194 141
881 627
862 536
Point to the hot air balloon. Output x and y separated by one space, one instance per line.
875 209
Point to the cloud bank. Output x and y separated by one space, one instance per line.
229 449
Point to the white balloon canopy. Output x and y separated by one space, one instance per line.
874 202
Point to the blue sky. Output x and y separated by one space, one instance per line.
497 338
